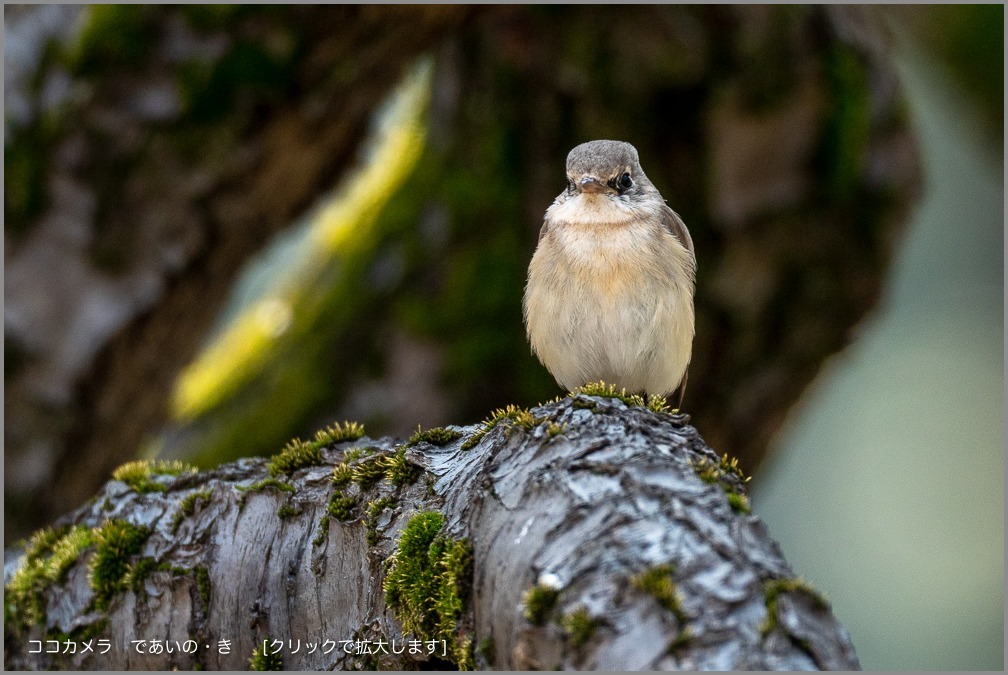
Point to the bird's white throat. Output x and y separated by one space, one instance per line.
592 209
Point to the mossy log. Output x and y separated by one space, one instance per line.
593 532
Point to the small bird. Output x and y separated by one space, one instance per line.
610 287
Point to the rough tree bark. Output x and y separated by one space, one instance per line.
590 532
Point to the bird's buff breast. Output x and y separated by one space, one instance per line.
613 303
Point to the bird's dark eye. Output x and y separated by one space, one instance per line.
625 182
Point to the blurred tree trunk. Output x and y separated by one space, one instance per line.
150 154
585 534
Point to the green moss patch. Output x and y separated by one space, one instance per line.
653 402
609 391
519 417
657 403
296 455
340 507
553 430
773 589
579 626
137 573
399 470
140 474
263 658
342 474
188 506
374 510
117 541
658 582
369 472
426 580
49 555
339 433
720 474
439 436
203 586
538 602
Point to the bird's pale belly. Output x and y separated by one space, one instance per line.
623 322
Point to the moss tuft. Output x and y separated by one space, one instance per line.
609 391
721 474
296 455
172 467
288 510
538 602
264 659
188 506
369 472
342 474
203 586
353 454
553 430
658 583
374 510
341 507
731 465
117 541
138 573
738 501
519 417
399 471
49 555
579 626
657 403
706 471
338 433
41 542
139 474
772 590
323 530
439 436
426 580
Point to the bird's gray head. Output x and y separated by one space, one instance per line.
606 167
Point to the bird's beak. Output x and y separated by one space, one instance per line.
591 184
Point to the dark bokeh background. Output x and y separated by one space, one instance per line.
203 258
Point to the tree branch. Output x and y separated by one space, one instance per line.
589 533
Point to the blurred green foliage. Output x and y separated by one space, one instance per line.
115 36
968 40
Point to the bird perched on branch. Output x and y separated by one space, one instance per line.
610 287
